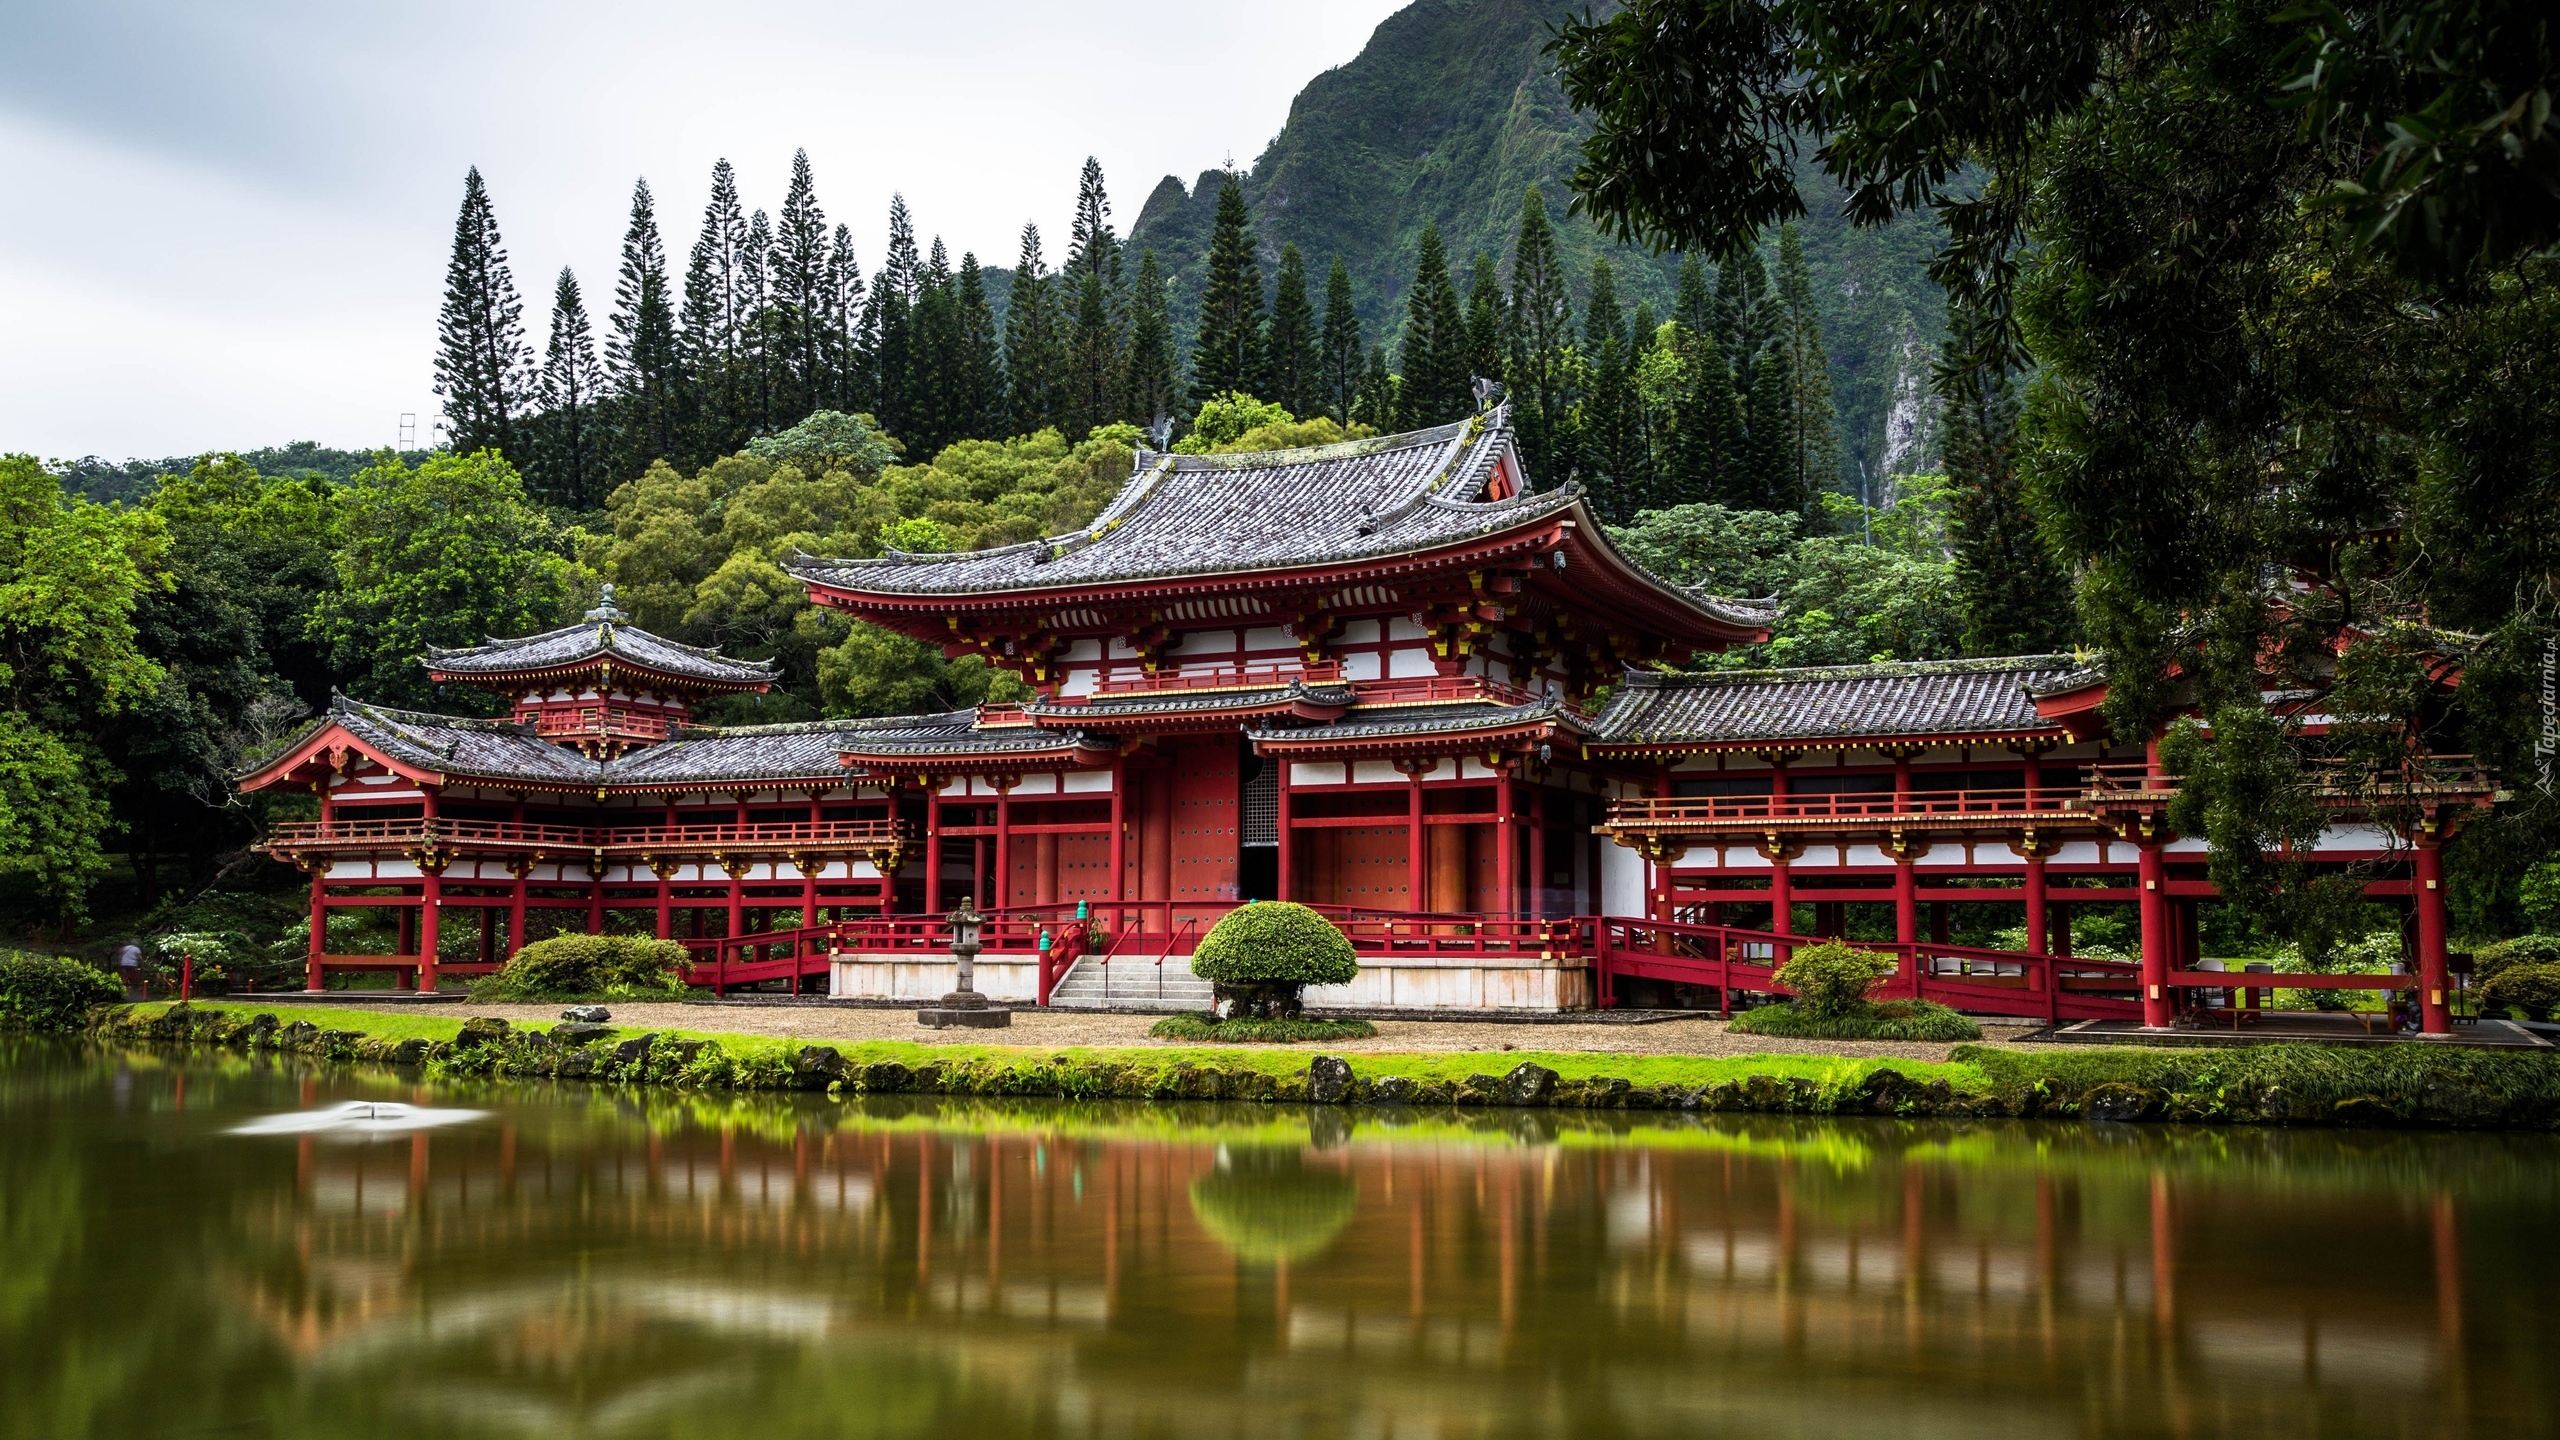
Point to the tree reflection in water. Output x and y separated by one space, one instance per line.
591 1263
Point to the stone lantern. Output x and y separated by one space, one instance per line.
964 1006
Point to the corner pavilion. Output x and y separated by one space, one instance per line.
1359 676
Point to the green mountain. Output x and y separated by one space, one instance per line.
1448 115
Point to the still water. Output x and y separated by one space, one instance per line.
580 1263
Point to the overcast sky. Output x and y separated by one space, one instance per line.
228 223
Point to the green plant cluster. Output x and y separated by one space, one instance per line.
1215 1030
580 967
1917 1020
1275 942
47 992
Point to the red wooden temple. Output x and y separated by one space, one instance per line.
1359 676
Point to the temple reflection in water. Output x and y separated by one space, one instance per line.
587 1267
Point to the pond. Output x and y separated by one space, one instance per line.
579 1262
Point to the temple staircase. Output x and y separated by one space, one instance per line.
1132 982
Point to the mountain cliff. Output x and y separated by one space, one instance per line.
1448 115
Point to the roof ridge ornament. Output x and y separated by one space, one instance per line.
606 612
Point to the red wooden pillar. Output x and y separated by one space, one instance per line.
1782 887
1286 836
1003 892
666 898
2159 1009
2435 1017
1416 858
430 919
1537 853
2036 903
1782 895
1506 854
932 844
521 869
1906 898
813 860
1657 871
319 924
1120 839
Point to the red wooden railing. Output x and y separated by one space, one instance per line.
1425 689
2051 988
504 834
1244 677
600 720
1685 811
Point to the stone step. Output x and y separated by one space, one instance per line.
1132 983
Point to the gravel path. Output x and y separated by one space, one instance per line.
1060 1028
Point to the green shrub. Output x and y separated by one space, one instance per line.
1209 1027
47 992
1891 1020
1260 955
1832 979
2507 954
577 967
2533 990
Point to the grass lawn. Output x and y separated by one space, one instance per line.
1686 1070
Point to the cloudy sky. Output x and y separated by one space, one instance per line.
228 222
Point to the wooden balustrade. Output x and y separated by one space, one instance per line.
453 834
2047 803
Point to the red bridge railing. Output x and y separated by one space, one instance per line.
2051 988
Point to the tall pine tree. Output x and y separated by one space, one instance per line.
1096 364
1540 370
484 370
1090 243
1488 321
717 319
1769 452
1342 350
1817 437
1153 388
1374 404
979 388
934 346
2014 597
885 318
1436 389
643 362
568 468
1229 352
1033 348
798 262
1611 420
1703 457
850 382
1297 370
765 345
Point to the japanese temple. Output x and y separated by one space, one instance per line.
1389 678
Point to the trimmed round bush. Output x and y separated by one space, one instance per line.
2531 990
47 992
1832 979
1262 954
575 967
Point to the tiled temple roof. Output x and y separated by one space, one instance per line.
1389 723
1194 517
1914 697
602 635
958 735
452 745
1190 515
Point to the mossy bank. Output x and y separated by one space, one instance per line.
2398 1085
